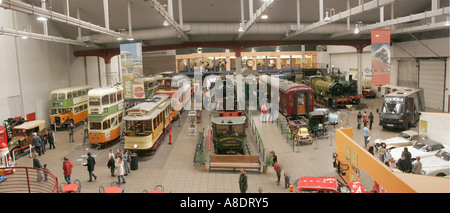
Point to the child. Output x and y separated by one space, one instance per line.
46 172
286 180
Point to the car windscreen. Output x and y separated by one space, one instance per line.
392 105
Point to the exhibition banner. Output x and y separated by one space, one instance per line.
132 70
381 54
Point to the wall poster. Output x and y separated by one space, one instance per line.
381 56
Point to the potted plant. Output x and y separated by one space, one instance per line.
202 157
268 162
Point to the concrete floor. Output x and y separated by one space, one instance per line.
172 166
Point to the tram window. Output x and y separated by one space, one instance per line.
61 96
106 124
85 106
68 110
120 117
139 126
129 125
79 92
74 94
113 121
54 111
300 100
69 95
95 125
94 101
119 96
105 100
76 109
148 125
54 96
155 123
83 92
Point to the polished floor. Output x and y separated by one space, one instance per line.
172 166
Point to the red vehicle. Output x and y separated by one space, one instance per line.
327 185
295 99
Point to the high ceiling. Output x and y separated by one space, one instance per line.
218 20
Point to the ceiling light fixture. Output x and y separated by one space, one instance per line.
264 17
166 23
357 26
240 29
40 18
327 17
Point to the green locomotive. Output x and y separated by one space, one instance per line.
228 132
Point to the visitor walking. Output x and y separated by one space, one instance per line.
111 162
359 119
36 140
90 167
50 138
70 131
370 120
243 185
366 134
67 168
277 168
120 168
417 167
38 166
126 159
43 142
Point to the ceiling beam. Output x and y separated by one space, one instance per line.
400 20
255 17
31 10
43 37
344 15
170 19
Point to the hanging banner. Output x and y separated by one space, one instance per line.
381 56
132 71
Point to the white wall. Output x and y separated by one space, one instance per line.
437 126
31 69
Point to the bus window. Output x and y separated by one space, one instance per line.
61 96
76 109
112 97
106 124
54 111
68 110
105 100
95 126
54 96
120 117
94 101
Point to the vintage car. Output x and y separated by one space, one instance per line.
299 132
422 148
436 165
23 133
332 118
406 138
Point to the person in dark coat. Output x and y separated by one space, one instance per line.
359 119
70 131
90 166
43 142
403 165
243 185
36 140
50 139
37 164
370 120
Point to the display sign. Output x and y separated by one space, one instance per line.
132 70
381 56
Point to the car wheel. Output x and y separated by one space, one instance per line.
441 175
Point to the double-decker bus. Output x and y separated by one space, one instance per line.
105 114
146 122
69 105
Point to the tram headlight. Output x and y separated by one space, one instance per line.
135 146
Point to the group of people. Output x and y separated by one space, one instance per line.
243 185
363 118
40 141
267 113
118 163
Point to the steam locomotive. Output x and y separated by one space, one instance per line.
334 92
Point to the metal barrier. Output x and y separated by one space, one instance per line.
25 180
14 152
254 130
